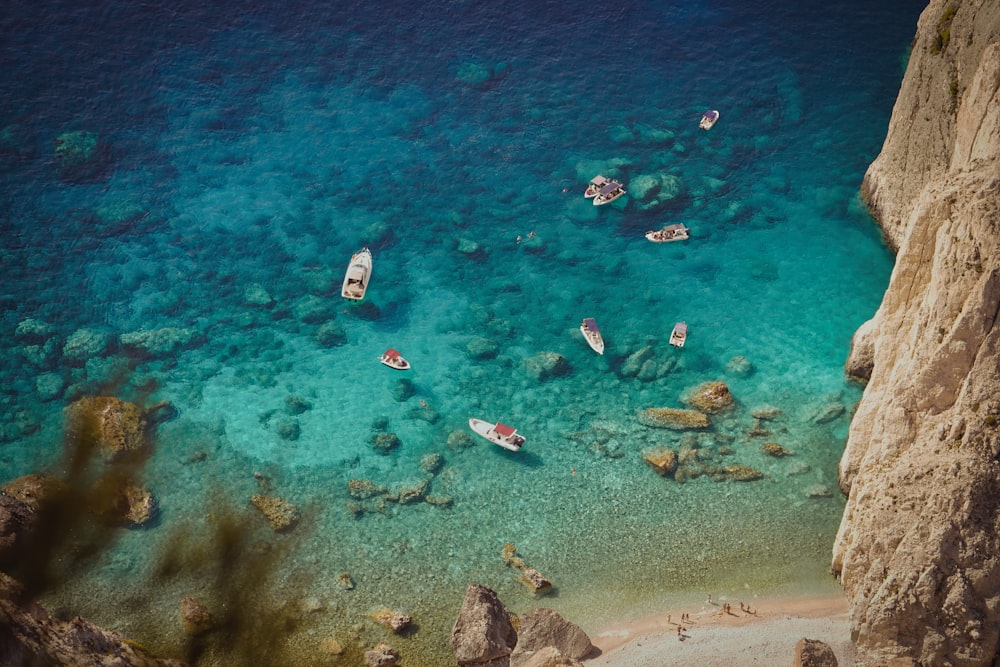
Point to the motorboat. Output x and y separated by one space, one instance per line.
679 335
499 434
668 234
596 183
611 191
358 273
393 359
592 335
708 119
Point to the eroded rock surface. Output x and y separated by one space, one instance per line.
918 550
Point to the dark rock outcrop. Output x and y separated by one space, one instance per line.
483 634
30 636
382 655
541 628
195 616
813 653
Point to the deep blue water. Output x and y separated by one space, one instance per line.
246 152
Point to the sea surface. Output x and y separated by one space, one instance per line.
183 186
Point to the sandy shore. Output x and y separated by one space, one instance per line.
765 636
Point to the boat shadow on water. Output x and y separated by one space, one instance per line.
523 457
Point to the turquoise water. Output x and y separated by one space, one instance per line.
251 154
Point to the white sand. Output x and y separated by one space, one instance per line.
711 637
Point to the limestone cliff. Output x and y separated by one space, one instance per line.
918 550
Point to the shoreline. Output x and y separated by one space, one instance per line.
710 635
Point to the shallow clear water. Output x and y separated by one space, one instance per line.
252 152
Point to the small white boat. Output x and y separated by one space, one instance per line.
392 359
708 119
592 335
596 183
669 234
611 191
679 335
499 434
358 273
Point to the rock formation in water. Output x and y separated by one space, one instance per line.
918 550
30 636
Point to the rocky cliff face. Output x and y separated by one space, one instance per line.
918 551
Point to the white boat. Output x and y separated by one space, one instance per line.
679 335
669 234
592 335
392 359
358 273
611 191
708 119
596 183
499 434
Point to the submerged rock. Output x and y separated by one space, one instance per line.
478 75
382 655
118 215
280 514
774 449
534 580
84 344
634 362
159 342
663 460
410 493
458 440
50 386
394 620
431 463
652 191
403 390
81 156
288 429
256 295
364 488
766 413
740 366
120 500
480 348
829 413
195 617
673 418
741 473
384 443
468 247
545 365
710 397
296 405
330 334
33 331
33 637
117 427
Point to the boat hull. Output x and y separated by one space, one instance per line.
358 274
679 335
399 364
601 201
486 430
594 338
668 235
